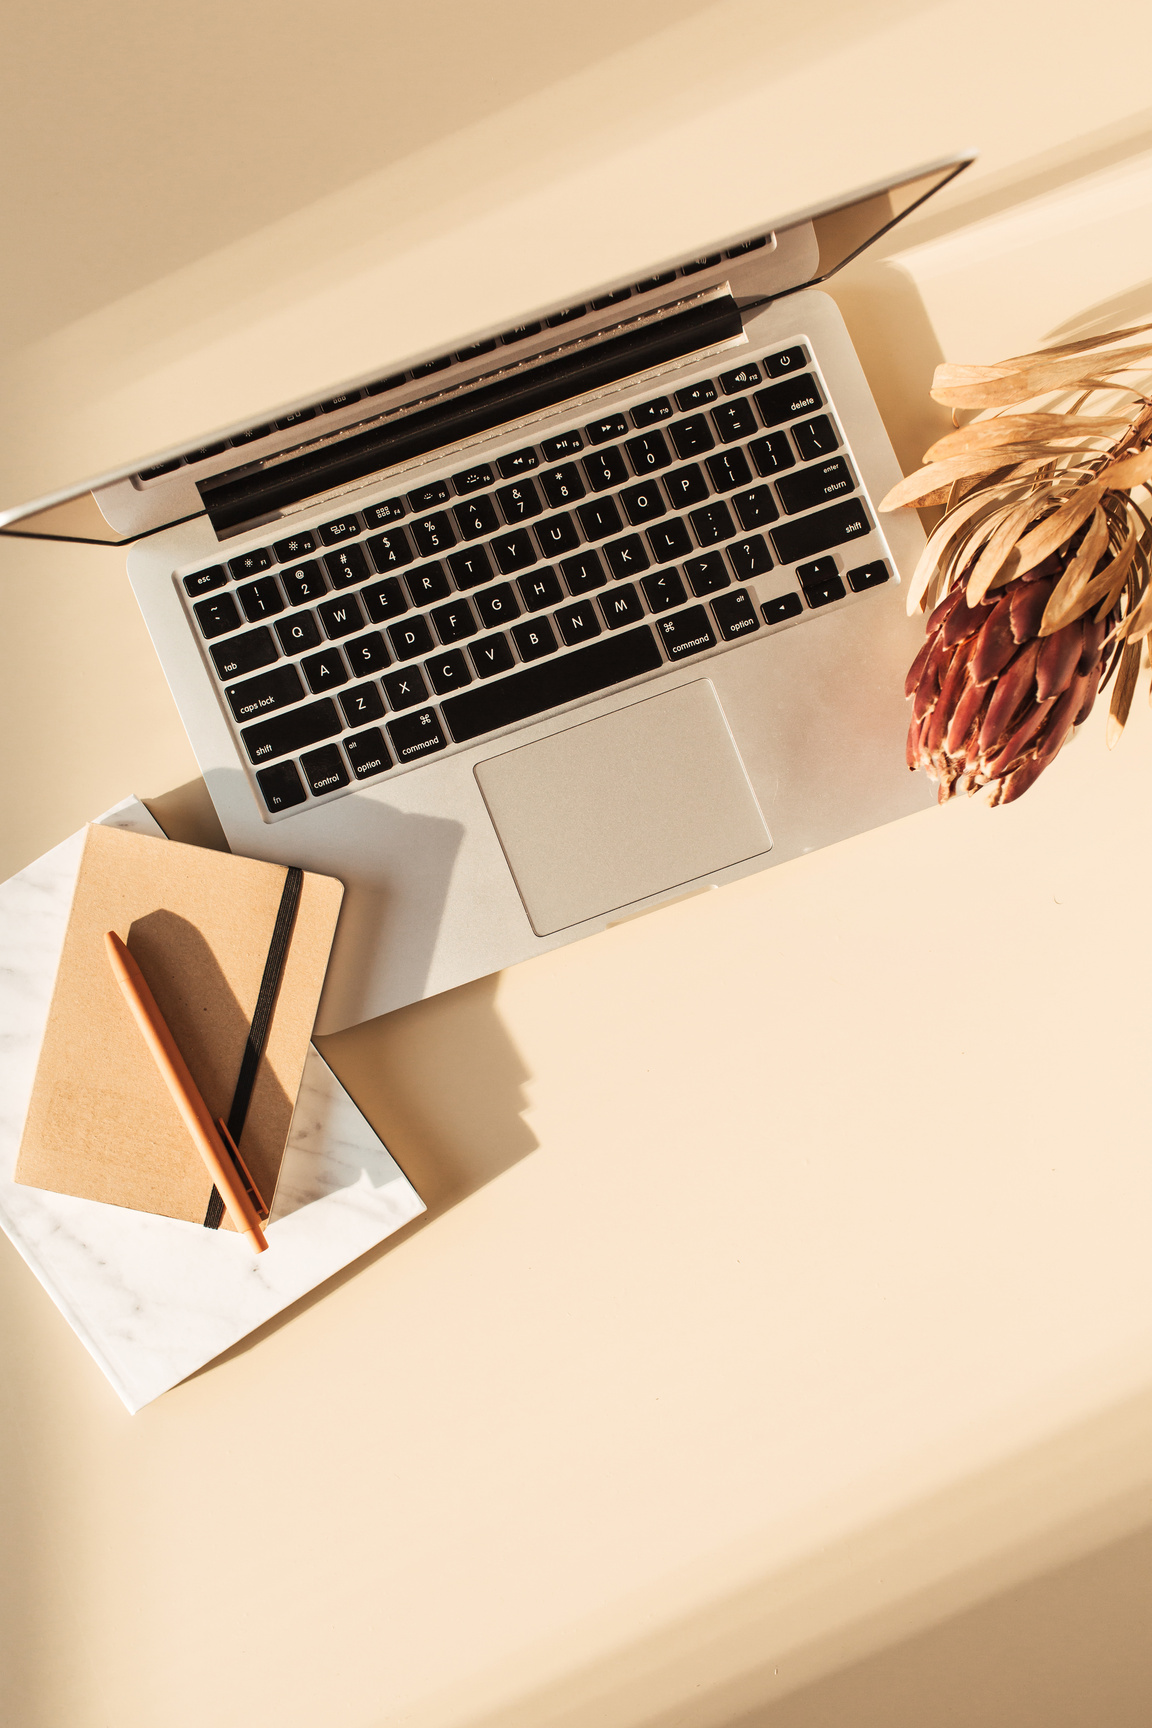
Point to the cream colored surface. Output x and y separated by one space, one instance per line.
778 1347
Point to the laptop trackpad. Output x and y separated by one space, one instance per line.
616 809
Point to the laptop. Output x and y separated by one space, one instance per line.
583 617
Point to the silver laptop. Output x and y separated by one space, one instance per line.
579 619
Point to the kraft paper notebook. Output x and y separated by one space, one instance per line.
101 1123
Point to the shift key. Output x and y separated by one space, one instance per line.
811 534
292 731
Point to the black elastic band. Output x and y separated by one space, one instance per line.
261 1022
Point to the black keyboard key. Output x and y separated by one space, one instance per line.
817 485
513 551
712 522
433 534
782 607
472 479
518 461
728 469
788 360
405 688
816 533
384 600
427 583
626 557
252 434
534 639
648 452
756 508
749 557
685 633
391 550
475 349
448 672
582 573
361 704
207 450
346 566
651 282
497 606
440 364
286 421
599 518
261 599
417 735
649 413
476 516
204 581
566 316
563 486
692 437
535 689
700 264
161 468
392 382
250 564
244 653
367 654
577 623
324 671
521 332
470 567
556 534
821 582
603 300
543 588
411 638
455 622
340 529
324 770
264 693
298 632
787 401
379 515
605 468
283 734
427 497
695 395
344 400
735 614
663 590
868 576
302 583
621 606
281 787
341 617
519 502
492 654
669 540
707 574
733 420
740 378
815 438
686 486
367 753
772 453
643 503
564 444
609 426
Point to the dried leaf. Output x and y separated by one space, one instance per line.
944 539
1123 691
1002 388
1084 346
1012 428
919 486
998 555
1129 471
1076 577
1051 534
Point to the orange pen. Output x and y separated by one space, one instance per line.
209 1136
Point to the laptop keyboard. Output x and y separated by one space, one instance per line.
522 584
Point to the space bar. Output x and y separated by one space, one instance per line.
551 683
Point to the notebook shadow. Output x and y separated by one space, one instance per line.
211 1030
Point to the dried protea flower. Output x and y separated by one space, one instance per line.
1042 557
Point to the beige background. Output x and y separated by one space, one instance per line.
776 1350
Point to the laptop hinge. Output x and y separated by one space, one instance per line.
263 491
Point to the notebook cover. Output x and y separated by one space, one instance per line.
102 1124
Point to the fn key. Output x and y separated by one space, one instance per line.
281 786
